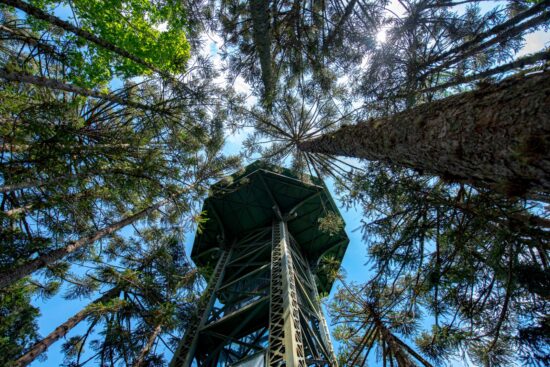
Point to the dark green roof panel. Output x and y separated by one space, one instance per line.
248 200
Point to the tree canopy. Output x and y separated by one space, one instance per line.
116 116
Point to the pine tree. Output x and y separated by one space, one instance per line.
465 268
486 137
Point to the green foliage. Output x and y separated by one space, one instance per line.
133 25
452 252
18 326
331 223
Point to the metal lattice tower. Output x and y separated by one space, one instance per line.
267 262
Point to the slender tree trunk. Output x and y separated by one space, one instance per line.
40 183
337 30
42 261
497 136
519 63
399 349
56 180
138 362
498 29
42 15
25 36
16 211
261 31
499 38
21 77
62 330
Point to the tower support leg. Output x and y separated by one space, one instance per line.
183 357
285 336
325 334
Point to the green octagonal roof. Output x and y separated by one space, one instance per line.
247 200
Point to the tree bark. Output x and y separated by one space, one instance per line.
403 359
261 32
62 330
40 81
497 136
13 275
138 362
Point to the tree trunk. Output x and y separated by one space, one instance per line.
62 330
497 136
398 349
40 183
337 30
496 30
261 31
499 38
138 362
13 275
40 14
56 180
40 81
518 63
25 36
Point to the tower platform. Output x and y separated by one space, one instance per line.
268 262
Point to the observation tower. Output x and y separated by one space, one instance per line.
268 262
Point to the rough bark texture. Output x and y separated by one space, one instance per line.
9 277
62 330
497 136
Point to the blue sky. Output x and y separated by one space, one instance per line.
57 310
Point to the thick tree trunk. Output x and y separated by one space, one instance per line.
138 362
497 136
62 330
13 275
21 77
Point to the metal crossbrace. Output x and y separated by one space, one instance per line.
309 290
186 350
325 334
285 335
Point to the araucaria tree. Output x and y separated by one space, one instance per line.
425 115
497 136
81 160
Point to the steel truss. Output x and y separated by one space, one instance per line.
261 299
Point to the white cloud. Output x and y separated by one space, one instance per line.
535 42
